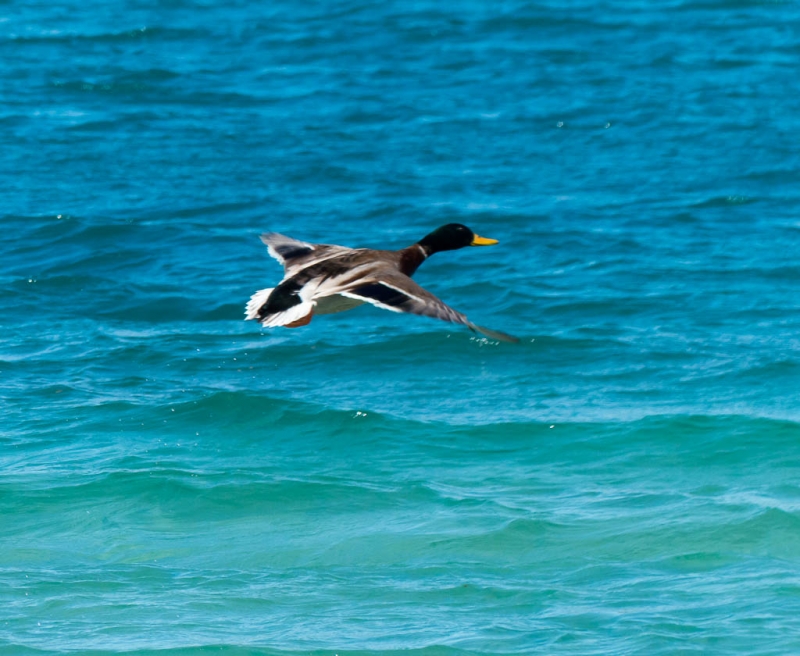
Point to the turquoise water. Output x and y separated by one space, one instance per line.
626 480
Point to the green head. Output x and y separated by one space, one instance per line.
451 237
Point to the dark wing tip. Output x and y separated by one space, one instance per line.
496 334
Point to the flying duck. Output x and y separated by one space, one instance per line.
323 279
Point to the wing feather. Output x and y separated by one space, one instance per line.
285 249
295 255
398 293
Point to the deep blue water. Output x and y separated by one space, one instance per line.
626 480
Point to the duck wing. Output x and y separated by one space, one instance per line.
295 255
397 292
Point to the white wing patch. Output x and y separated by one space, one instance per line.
396 299
404 292
371 301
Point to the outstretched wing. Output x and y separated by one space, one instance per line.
398 293
295 255
285 249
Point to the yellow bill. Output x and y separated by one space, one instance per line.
482 241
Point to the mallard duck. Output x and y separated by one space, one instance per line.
323 279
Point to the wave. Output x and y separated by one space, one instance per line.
122 36
727 5
195 423
212 647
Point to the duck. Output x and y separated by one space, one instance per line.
325 279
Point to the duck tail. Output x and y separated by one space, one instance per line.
293 317
296 316
255 303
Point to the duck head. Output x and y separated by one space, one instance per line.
451 237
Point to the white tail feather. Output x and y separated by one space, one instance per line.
256 301
294 313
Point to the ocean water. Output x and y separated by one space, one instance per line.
626 480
